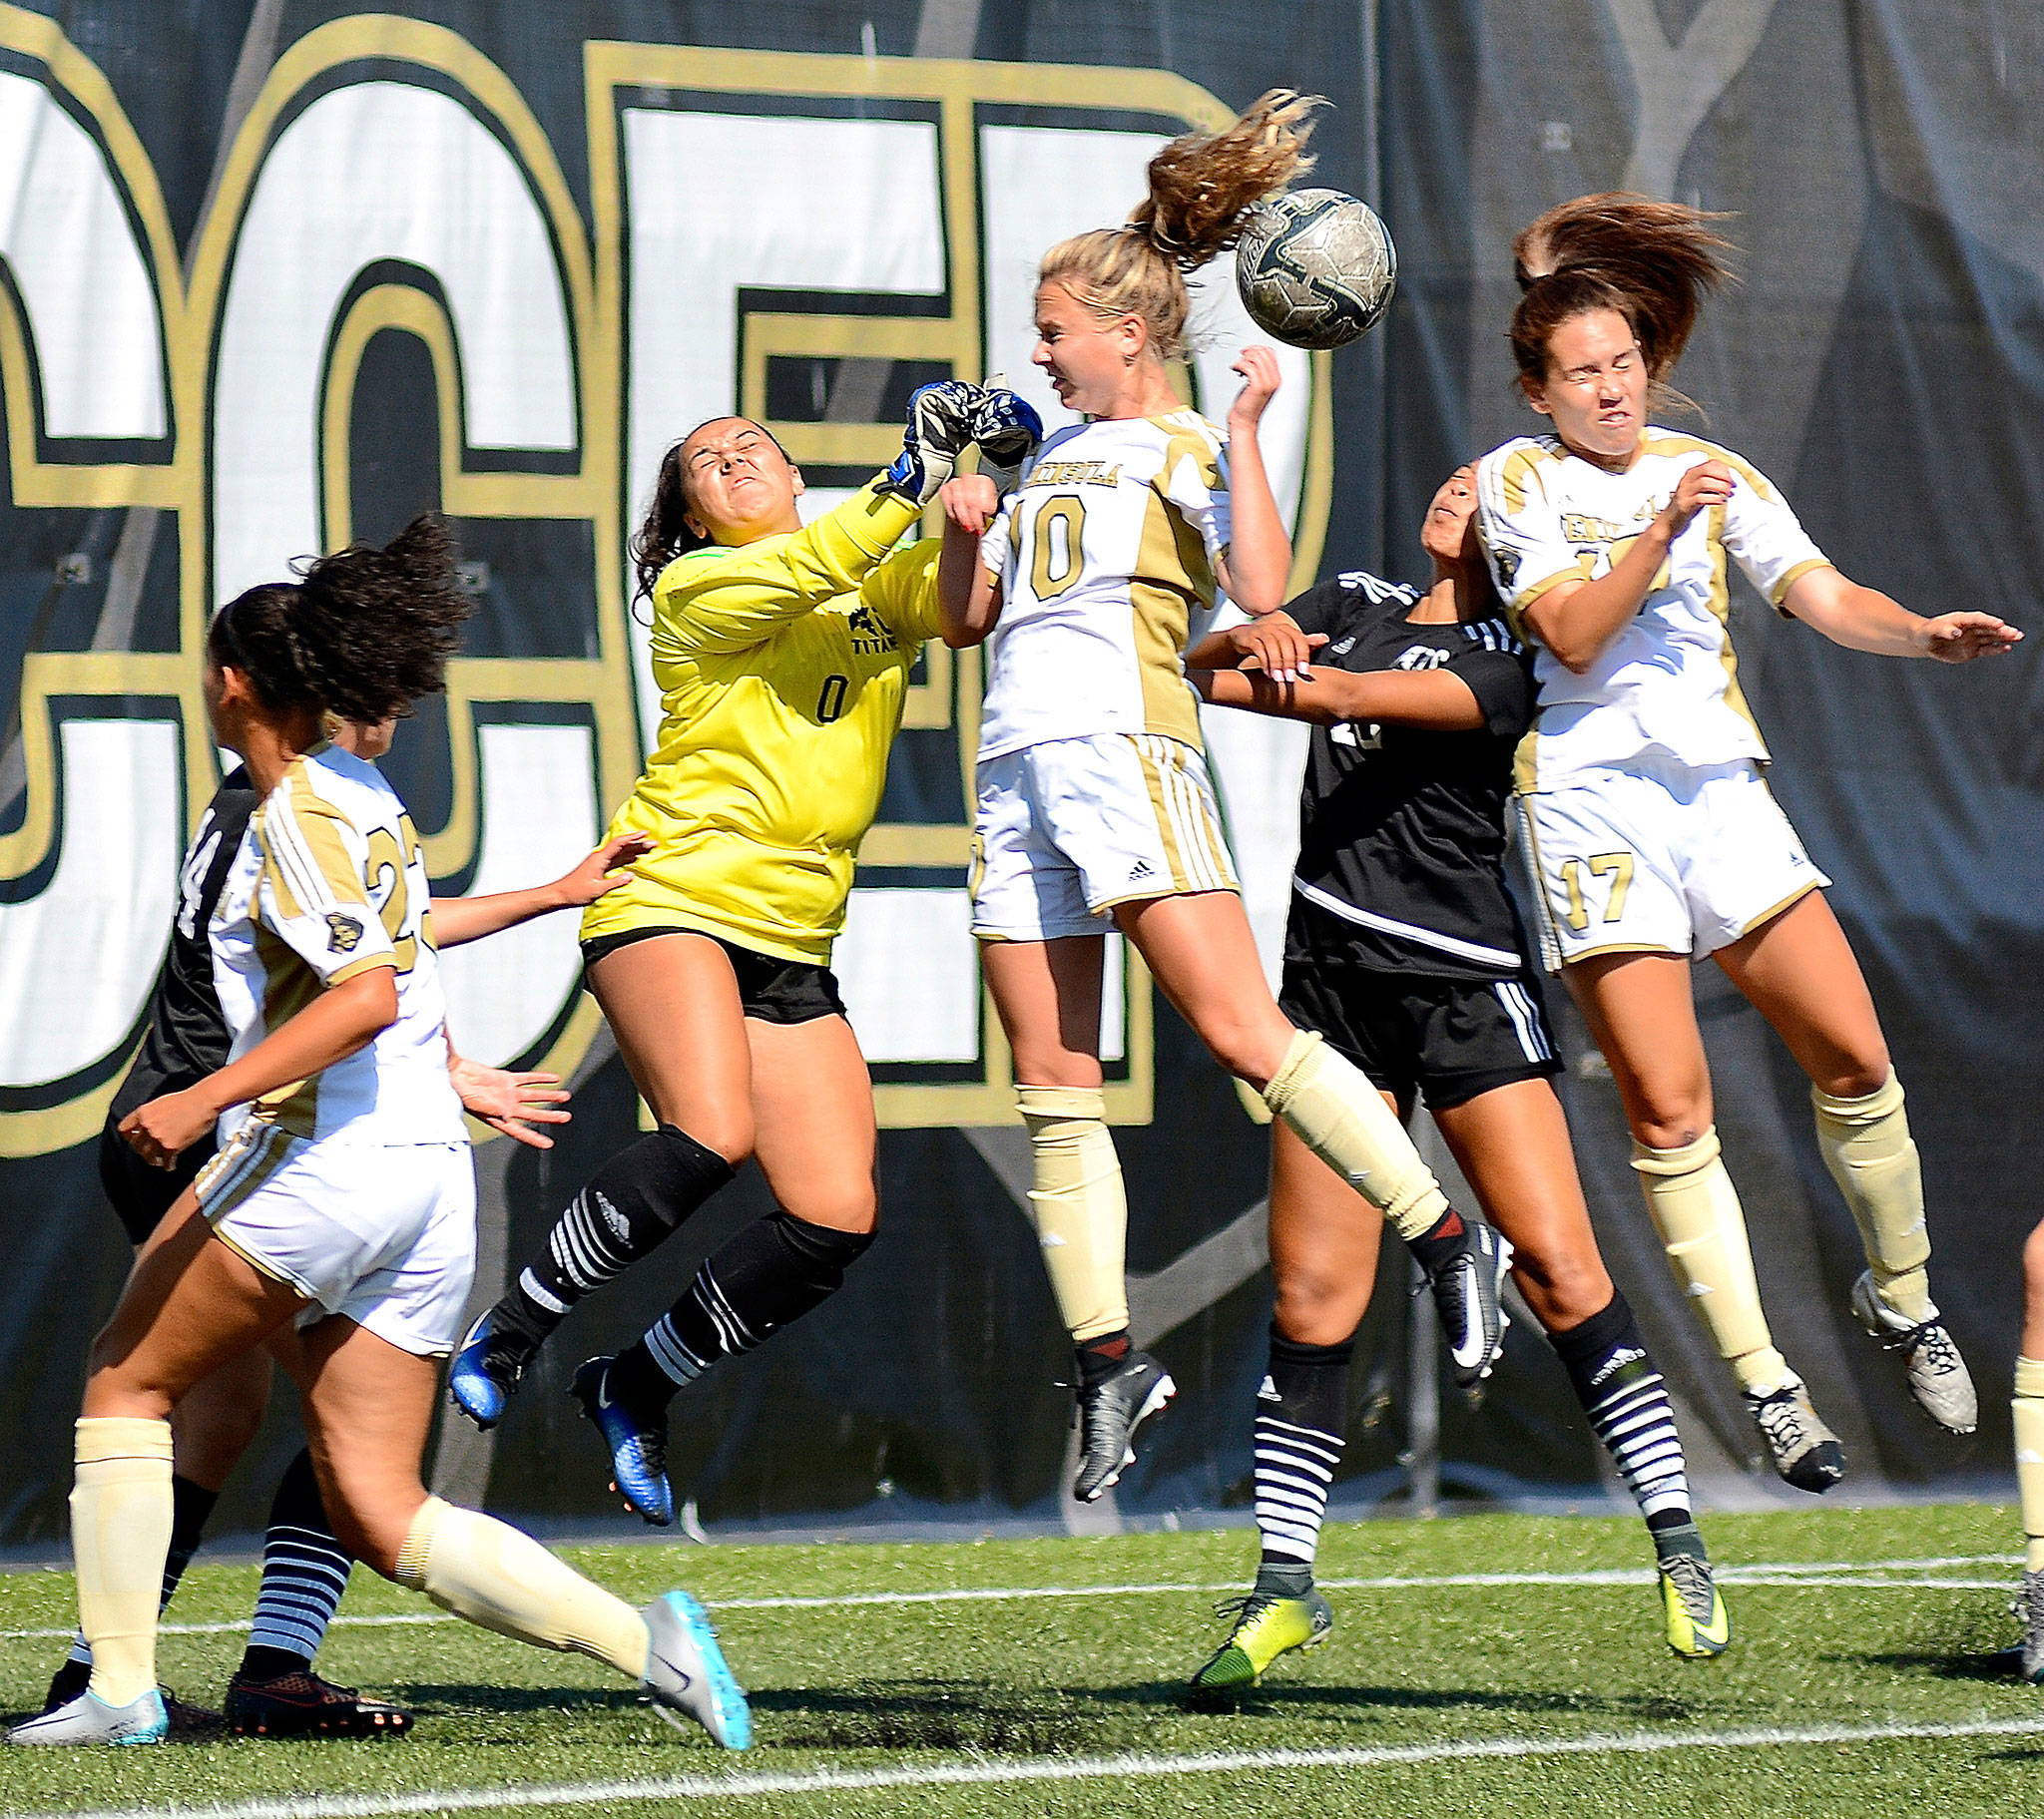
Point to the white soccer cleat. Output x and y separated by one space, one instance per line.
1805 1452
1938 1377
90 1719
686 1672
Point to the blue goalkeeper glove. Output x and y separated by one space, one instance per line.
1007 431
940 418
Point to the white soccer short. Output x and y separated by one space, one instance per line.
1068 828
1660 859
383 1233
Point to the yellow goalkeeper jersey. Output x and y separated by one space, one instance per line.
782 667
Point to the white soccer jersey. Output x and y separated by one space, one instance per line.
329 882
1667 687
1102 554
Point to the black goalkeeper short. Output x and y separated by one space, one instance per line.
1447 1040
138 1193
770 989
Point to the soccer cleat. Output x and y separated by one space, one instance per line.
2028 1611
1266 1628
637 1442
90 1719
1697 1624
301 1704
492 1357
75 1676
1110 1412
1467 1290
1805 1452
686 1672
1938 1377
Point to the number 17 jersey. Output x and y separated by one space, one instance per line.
1102 555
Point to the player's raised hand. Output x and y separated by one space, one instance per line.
1275 646
1006 430
603 870
510 1104
1259 382
1958 638
1707 484
938 431
158 1131
970 502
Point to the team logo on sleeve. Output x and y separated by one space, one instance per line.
342 932
1507 564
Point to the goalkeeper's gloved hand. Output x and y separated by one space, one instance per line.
939 431
1007 431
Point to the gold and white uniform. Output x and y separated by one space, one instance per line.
355 1186
783 669
1646 824
1092 780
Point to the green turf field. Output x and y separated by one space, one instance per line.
1043 1677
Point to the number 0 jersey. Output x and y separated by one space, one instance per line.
1667 687
1102 554
783 669
329 882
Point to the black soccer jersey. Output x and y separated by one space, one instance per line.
1401 831
186 1038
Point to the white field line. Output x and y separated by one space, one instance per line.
1837 1573
1080 1768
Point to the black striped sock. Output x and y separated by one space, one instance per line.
304 1571
1626 1403
1302 1410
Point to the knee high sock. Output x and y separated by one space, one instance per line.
1867 1148
1302 1414
772 1272
121 1510
1626 1400
1344 1121
304 1573
630 1207
2028 1410
497 1579
1696 1210
190 1505
1078 1208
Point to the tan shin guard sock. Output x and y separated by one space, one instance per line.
1337 1115
1696 1210
1867 1148
2028 1409
488 1572
120 1534
1078 1206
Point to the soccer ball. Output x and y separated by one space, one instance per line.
1316 268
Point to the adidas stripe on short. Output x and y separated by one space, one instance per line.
1068 828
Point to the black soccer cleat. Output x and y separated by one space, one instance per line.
1110 1412
301 1704
488 1363
1467 1287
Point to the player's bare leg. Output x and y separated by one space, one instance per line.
1800 974
816 1142
671 1002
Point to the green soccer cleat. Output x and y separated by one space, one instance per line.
1266 1628
1697 1624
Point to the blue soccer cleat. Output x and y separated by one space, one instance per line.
686 1672
637 1440
487 1366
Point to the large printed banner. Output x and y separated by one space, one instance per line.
279 273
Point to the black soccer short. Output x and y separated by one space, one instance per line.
1447 1040
138 1193
770 989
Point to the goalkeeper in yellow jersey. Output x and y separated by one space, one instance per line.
782 658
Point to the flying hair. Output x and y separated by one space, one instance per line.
361 634
1654 262
1202 186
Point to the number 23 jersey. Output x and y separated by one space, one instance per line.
328 883
1102 554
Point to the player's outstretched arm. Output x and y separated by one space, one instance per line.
342 1019
968 594
1864 619
461 919
1258 566
1434 699
510 1104
1274 644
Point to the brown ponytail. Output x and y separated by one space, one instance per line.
1201 186
1653 262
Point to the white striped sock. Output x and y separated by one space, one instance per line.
1295 1470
